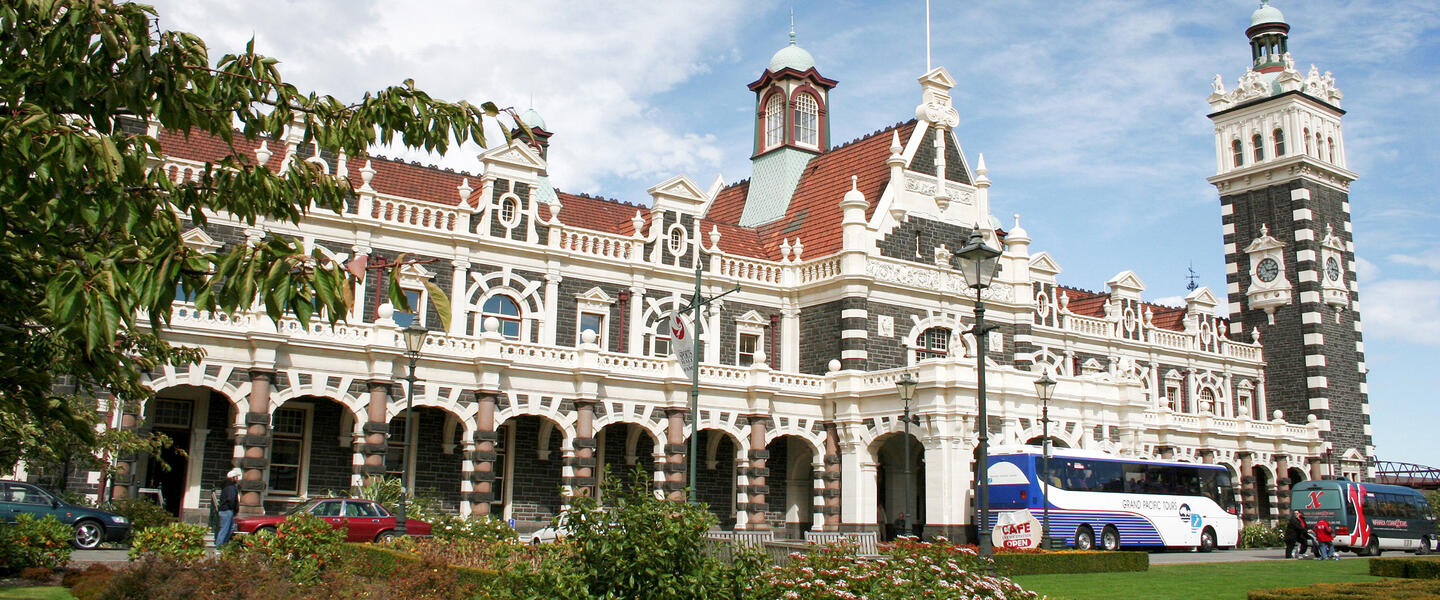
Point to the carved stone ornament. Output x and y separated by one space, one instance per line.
935 279
925 185
938 111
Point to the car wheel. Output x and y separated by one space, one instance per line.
1110 538
1207 540
1084 538
88 534
386 536
1425 545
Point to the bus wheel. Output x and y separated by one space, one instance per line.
1425 545
1084 538
1110 539
1207 540
1373 548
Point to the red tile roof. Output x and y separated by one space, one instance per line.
599 214
1092 304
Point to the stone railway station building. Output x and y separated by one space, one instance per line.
553 365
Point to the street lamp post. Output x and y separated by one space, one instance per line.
414 335
1045 389
907 393
979 262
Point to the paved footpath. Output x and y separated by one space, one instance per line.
1182 557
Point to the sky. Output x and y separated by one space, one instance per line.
1091 117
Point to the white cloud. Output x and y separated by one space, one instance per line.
1428 259
1407 310
1365 270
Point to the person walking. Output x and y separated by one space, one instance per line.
1295 534
1326 538
227 501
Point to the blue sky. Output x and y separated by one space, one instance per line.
1091 117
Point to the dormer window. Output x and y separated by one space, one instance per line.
1239 153
774 121
1279 136
807 120
1258 143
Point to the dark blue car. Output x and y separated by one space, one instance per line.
91 525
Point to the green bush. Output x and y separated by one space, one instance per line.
1071 562
143 514
32 542
177 541
303 542
1409 567
913 570
88 584
484 528
1262 536
1389 589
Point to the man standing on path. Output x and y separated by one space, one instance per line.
1295 534
227 502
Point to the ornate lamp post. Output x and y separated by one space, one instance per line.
414 335
907 393
1045 389
979 262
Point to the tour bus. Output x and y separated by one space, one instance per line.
1368 517
1095 497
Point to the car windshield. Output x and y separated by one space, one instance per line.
302 507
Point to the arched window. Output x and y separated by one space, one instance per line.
1318 147
507 311
1259 144
807 120
774 121
1239 153
1279 136
1330 147
507 211
1207 402
1306 138
932 343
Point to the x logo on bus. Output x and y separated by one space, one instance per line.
1314 500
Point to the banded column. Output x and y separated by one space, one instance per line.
256 442
757 507
376 430
1206 455
583 478
1317 468
831 476
1282 486
123 480
482 478
675 451
1250 510
854 334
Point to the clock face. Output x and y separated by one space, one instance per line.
1267 270
1332 269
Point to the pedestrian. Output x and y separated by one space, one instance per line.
902 528
1326 538
227 501
1295 535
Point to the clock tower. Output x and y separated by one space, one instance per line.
1289 251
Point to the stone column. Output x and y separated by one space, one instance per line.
376 446
459 303
256 442
482 479
1207 456
1282 487
675 451
123 480
1249 504
583 476
1165 452
831 476
758 472
1317 468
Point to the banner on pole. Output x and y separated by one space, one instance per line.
682 346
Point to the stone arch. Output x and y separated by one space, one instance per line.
200 422
656 428
436 463
530 466
228 380
527 294
311 446
621 446
1059 437
716 472
656 307
792 471
888 453
1264 491
959 344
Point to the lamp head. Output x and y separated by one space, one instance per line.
414 334
978 261
907 387
1045 386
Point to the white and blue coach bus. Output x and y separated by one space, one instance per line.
1108 501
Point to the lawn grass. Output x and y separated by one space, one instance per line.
45 592
1208 581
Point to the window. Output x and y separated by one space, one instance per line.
24 494
595 322
1207 400
1279 136
658 345
932 343
774 121
1245 398
507 311
508 212
362 509
747 345
329 508
1330 148
677 239
1306 139
1318 147
1258 144
287 450
395 453
171 413
1172 396
183 296
1238 152
405 318
807 120
501 464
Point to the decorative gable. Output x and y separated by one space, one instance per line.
196 239
594 298
1043 264
516 155
679 194
1126 284
413 274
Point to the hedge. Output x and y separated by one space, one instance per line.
1389 589
1071 562
1412 568
382 561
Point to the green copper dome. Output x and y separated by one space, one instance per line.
793 57
1266 14
532 119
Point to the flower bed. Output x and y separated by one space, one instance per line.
912 570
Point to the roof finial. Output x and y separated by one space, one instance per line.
927 36
792 26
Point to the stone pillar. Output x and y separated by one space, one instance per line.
675 451
582 465
1165 452
831 476
1282 487
376 446
459 303
1249 504
758 472
1317 468
256 442
123 480
482 479
1206 455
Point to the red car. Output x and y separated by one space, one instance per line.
363 520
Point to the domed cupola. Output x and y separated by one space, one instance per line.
1268 34
541 136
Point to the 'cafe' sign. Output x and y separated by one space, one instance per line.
1016 529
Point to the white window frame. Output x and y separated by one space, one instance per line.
807 120
774 121
751 324
675 239
924 351
511 200
600 334
518 319
302 470
1174 392
594 302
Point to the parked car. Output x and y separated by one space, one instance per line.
91 525
362 520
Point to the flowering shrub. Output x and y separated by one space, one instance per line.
177 541
32 542
447 527
1262 536
913 570
304 543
